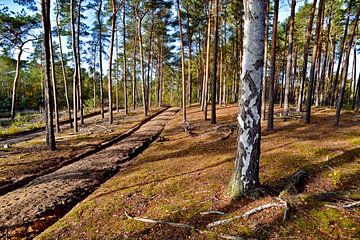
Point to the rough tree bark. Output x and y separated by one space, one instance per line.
245 178
50 136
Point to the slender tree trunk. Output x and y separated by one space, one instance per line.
306 52
116 70
323 71
224 100
313 62
94 78
214 78
134 76
45 12
75 76
16 79
189 36
263 93
63 65
80 93
345 70
99 11
54 85
142 65
354 75
207 68
182 64
148 92
342 48
270 122
125 61
113 26
289 59
245 179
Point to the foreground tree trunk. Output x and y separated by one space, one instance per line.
80 84
207 64
289 59
134 76
182 64
245 178
306 52
45 12
270 122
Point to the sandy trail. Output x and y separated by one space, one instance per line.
27 211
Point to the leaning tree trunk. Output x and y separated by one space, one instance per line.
306 52
54 85
116 70
313 62
245 178
45 12
214 78
75 76
62 64
182 64
270 122
16 79
289 59
345 70
113 25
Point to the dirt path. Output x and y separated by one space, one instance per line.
29 210
31 134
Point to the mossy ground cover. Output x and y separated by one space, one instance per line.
181 176
28 157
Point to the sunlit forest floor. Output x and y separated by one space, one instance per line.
181 176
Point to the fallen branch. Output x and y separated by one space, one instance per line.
181 225
213 212
349 205
249 213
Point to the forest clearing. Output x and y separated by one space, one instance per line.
179 119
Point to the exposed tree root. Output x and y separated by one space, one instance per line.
293 183
182 225
251 212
